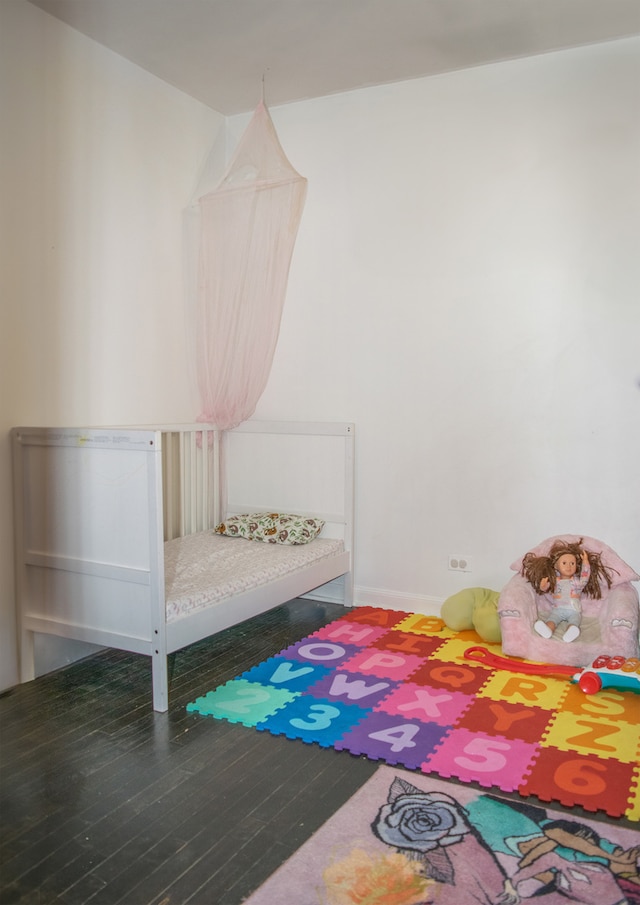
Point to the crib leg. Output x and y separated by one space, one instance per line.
348 589
27 656
160 678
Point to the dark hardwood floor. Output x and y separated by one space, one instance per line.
104 801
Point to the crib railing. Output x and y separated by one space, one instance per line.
190 480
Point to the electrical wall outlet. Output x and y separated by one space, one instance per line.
459 562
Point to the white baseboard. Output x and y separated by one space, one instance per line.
388 600
398 600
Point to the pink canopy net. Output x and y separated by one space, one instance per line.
244 231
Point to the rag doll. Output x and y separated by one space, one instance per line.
556 577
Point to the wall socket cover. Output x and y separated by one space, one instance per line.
459 562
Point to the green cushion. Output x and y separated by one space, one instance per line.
474 608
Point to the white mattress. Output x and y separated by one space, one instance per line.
204 568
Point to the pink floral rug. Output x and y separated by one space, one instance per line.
409 839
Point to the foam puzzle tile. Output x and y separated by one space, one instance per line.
607 738
353 633
382 736
458 676
491 760
532 691
453 650
506 719
383 664
419 624
429 705
243 702
316 650
607 704
290 674
314 720
355 687
579 779
370 615
408 643
633 811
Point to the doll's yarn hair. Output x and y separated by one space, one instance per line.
535 568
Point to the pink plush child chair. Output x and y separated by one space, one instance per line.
609 625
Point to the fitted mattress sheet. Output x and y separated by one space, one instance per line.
204 568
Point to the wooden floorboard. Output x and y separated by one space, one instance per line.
104 802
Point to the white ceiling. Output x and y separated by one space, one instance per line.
219 50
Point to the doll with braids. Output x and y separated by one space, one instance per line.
556 576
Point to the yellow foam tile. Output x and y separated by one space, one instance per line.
606 738
546 692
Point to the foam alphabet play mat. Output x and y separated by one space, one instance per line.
396 687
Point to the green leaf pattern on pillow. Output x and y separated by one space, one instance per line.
272 527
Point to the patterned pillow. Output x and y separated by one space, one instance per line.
272 527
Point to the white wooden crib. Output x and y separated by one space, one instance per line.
99 512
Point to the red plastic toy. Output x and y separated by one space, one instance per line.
610 672
605 672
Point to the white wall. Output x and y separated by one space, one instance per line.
464 288
99 159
